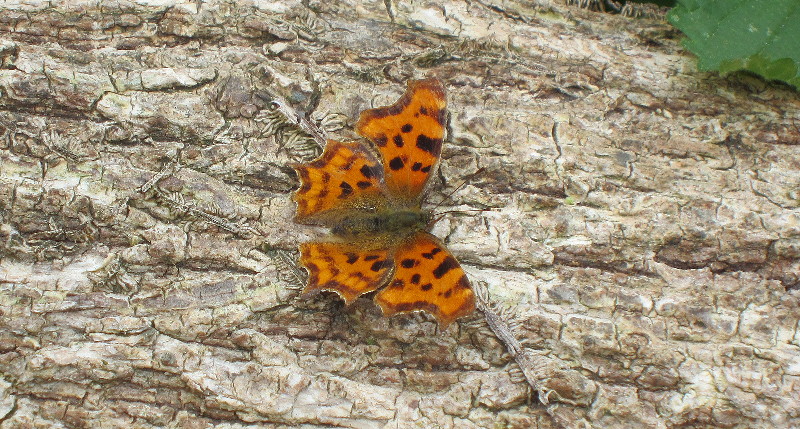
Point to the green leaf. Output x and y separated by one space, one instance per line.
762 36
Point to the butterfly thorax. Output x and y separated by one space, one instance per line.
398 223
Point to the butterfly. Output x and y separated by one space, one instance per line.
369 194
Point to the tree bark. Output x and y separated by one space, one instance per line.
640 266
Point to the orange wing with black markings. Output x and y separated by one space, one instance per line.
346 269
409 137
372 203
346 176
427 278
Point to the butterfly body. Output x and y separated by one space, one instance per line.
395 223
370 197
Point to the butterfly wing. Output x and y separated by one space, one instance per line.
346 176
427 278
347 269
408 135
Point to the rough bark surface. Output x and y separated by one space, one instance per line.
643 251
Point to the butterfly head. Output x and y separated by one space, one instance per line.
430 218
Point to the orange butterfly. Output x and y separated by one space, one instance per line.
370 198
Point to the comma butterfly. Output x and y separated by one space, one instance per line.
370 198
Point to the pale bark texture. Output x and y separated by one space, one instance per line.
639 261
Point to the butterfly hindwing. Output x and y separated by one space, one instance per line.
408 135
346 175
427 278
346 269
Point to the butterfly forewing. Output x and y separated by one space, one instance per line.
346 176
346 269
427 278
408 135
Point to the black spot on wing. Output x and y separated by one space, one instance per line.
448 264
352 258
392 110
378 265
381 140
416 305
398 141
327 156
371 257
396 163
348 164
363 184
426 286
409 263
423 110
428 144
346 190
430 254
406 128
415 279
426 169
397 284
313 272
416 167
336 285
369 171
463 283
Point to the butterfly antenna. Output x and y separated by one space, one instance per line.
439 216
464 182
